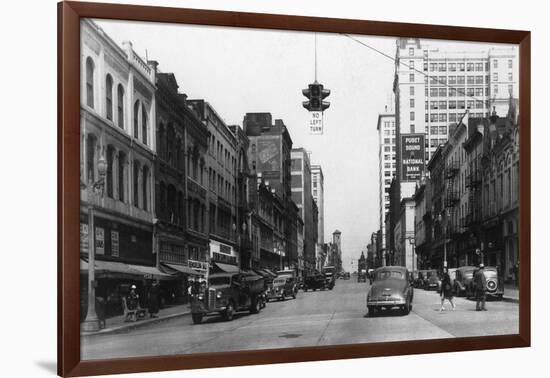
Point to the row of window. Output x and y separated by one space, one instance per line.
223 187
454 67
141 120
117 178
223 155
460 104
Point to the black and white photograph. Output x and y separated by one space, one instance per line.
250 189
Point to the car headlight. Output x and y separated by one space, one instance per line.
219 294
200 297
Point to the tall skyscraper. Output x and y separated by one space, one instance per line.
435 88
386 167
318 192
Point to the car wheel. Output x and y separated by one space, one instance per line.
294 295
407 308
197 318
228 313
255 306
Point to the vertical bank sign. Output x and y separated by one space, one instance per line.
413 155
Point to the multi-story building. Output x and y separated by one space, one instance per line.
404 253
196 181
269 156
117 110
302 197
221 175
336 253
318 192
500 192
423 223
434 88
456 194
386 168
473 147
436 255
248 258
172 116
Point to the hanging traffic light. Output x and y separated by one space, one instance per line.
315 94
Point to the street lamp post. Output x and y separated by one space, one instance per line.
91 323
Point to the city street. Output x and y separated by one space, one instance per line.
313 318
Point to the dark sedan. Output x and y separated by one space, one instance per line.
390 289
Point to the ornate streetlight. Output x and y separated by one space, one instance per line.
91 323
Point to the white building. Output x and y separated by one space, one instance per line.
434 88
117 115
386 165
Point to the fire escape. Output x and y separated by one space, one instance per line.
451 196
473 215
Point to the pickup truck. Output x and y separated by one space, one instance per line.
228 293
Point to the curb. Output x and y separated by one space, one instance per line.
134 325
510 299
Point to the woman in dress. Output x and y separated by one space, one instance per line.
446 290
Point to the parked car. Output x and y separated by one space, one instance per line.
391 288
431 280
330 276
463 279
227 293
346 276
284 285
494 283
314 282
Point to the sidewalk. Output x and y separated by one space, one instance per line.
117 323
511 293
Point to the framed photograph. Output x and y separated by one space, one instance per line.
240 188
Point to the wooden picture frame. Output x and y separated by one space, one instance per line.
69 14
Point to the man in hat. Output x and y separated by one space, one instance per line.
480 284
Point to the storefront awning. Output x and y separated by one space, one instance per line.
227 268
265 274
113 269
270 272
182 269
150 272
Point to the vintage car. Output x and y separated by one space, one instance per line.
330 277
390 289
494 283
226 294
431 280
362 276
284 285
462 282
346 275
314 282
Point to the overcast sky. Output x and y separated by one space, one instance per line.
249 70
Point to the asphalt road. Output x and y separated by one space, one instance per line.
313 318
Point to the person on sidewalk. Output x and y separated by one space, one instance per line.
480 284
446 290
154 294
132 303
516 274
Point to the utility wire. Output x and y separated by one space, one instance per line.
486 102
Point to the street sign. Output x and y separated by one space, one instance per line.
412 157
316 123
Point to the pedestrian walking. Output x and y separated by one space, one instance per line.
516 274
446 290
154 299
480 284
